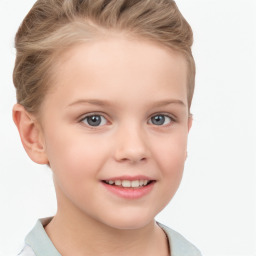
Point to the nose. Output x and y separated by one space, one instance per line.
131 145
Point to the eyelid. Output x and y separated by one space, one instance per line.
82 117
171 116
89 114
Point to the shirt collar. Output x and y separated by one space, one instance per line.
39 240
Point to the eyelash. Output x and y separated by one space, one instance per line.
172 119
101 115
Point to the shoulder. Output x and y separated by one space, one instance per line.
179 246
26 251
37 242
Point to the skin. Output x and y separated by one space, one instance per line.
127 82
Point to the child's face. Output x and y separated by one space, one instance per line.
118 112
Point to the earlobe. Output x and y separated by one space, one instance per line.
30 134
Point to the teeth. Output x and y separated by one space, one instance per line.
128 184
118 182
135 183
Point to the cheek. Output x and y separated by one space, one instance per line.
170 158
75 165
72 155
171 152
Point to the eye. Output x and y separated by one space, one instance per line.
94 120
160 120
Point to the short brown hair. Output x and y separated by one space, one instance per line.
52 25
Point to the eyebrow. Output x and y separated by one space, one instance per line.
90 101
168 102
107 103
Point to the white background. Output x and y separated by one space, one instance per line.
215 206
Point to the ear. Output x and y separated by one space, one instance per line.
190 121
30 133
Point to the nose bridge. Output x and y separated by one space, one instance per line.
131 144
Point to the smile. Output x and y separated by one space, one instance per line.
128 183
129 187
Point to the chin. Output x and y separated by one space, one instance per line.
129 220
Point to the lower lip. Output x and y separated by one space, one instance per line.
130 193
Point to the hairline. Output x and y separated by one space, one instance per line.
100 33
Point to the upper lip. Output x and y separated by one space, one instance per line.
130 178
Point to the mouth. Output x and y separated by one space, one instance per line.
128 187
135 184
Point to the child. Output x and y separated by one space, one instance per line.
104 89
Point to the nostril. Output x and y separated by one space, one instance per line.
132 159
131 146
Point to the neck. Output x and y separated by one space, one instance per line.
76 234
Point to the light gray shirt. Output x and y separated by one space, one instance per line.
37 242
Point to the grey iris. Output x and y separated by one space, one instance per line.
94 120
158 120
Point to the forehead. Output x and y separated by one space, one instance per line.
113 66
121 49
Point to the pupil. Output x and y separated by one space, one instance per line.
94 120
158 120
